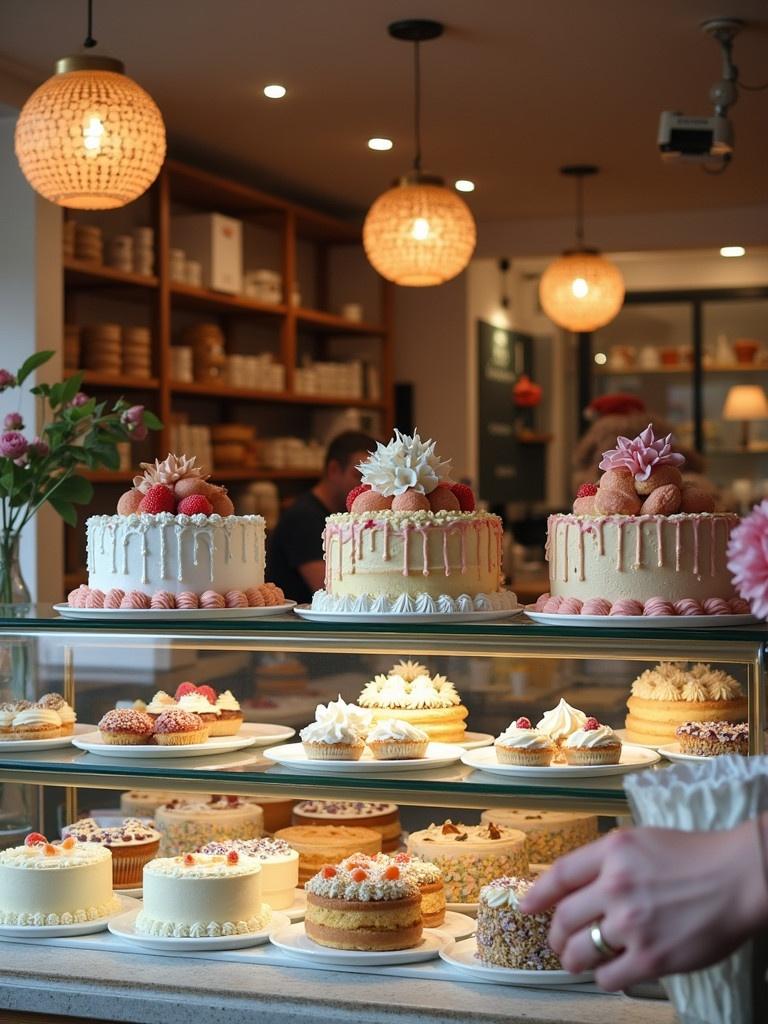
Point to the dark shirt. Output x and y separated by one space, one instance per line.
297 539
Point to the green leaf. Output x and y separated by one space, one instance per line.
31 364
151 421
54 395
75 489
65 509
71 387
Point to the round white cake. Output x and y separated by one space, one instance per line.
279 866
201 895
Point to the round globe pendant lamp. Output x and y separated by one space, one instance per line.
90 138
419 232
581 290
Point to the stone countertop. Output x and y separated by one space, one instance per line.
174 990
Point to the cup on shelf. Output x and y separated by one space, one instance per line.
648 357
746 350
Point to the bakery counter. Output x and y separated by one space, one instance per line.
172 990
245 772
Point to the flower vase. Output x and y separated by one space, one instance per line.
15 600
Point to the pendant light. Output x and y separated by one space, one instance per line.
419 232
581 290
90 138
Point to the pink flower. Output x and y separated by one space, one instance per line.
39 447
7 380
13 444
641 455
13 421
133 421
748 559
80 399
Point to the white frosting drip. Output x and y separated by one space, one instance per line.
396 729
562 720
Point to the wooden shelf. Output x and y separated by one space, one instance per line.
204 298
81 273
332 324
109 476
278 397
95 379
226 475
639 371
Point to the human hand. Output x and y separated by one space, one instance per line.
668 901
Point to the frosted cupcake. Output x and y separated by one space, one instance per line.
395 740
66 713
559 722
197 704
521 744
230 715
176 728
592 744
160 703
338 732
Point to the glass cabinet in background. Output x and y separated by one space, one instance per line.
700 360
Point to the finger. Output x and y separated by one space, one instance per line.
580 953
571 872
575 912
625 970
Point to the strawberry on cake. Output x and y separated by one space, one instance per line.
642 541
175 542
411 540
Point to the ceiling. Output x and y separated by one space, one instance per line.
511 92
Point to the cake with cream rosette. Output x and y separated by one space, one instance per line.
409 693
641 541
175 542
411 540
665 697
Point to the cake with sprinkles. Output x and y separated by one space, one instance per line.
279 866
506 937
132 844
711 739
380 815
186 825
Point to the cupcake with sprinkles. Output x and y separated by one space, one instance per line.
176 727
124 726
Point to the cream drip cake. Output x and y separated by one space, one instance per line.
189 824
641 542
469 856
175 542
279 866
665 697
411 540
202 895
409 693
64 883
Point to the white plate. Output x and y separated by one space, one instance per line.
632 758
672 752
306 612
58 741
622 734
60 931
297 909
643 621
457 926
291 755
295 940
165 614
469 909
472 740
124 927
94 744
461 955
264 733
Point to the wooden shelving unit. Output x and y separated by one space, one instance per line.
294 230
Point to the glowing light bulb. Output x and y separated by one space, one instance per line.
464 185
274 92
601 358
381 144
580 288
420 229
733 250
92 133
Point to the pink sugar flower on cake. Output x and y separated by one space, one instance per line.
642 455
748 559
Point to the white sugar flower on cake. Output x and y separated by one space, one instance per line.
405 464
168 472
408 670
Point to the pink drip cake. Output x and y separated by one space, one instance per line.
411 540
642 541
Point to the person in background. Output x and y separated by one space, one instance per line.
295 546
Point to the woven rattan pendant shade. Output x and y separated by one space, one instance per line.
90 138
419 234
581 291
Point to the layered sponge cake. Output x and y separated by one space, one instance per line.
411 694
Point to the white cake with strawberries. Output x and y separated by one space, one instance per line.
175 542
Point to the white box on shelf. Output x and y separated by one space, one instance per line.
216 242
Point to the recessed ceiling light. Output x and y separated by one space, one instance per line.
274 92
601 358
464 185
380 144
733 250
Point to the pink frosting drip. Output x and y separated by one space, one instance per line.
186 599
163 599
135 599
626 606
596 606
571 606
687 606
642 454
716 606
114 598
211 599
235 599
658 606
95 599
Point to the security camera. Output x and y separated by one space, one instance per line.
694 139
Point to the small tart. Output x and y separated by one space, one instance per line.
176 727
712 739
36 723
123 726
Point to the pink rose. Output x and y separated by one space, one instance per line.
13 421
7 380
80 399
39 447
133 421
13 444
